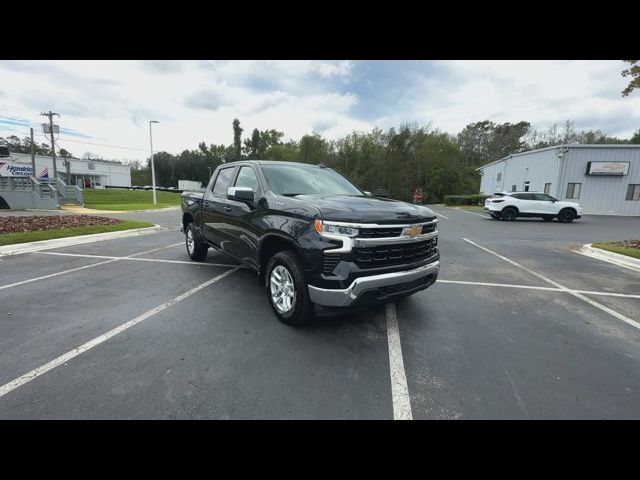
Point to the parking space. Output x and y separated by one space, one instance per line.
518 326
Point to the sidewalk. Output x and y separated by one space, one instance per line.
29 213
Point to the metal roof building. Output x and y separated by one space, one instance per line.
84 173
605 179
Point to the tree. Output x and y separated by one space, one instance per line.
636 137
634 72
270 138
485 141
15 145
555 136
65 153
313 149
253 146
237 139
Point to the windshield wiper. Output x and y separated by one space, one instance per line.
291 194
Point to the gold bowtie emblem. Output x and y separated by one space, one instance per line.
413 230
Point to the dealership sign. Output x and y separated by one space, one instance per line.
20 170
608 168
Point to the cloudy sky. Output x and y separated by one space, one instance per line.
110 102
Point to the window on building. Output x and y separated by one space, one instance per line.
526 186
514 188
547 188
633 192
223 181
499 178
573 190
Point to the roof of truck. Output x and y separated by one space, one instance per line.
274 162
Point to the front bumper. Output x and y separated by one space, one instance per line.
364 285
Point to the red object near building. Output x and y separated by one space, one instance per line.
417 195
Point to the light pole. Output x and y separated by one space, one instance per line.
153 170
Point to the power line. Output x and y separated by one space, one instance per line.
44 137
101 144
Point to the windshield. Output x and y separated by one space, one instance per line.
307 180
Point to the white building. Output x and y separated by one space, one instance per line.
605 179
84 173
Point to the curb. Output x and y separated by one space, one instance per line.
27 247
611 257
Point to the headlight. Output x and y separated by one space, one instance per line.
335 229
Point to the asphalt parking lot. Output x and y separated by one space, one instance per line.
518 327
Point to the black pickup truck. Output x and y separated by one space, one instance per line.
317 242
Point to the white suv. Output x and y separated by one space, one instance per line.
510 205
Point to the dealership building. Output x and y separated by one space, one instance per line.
605 179
83 173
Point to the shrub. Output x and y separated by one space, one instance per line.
475 199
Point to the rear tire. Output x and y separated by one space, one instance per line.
566 216
196 250
509 214
285 273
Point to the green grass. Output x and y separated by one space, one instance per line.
118 199
23 237
617 248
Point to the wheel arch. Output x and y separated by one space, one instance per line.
187 218
510 206
563 209
271 244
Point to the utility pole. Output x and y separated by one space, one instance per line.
50 114
153 170
33 154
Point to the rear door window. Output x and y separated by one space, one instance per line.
541 197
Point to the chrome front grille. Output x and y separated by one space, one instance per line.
378 245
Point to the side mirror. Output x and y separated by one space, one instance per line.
242 194
368 194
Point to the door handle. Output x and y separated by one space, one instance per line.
227 208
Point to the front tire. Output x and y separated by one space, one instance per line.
195 248
287 289
566 216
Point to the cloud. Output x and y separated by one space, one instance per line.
15 121
163 66
112 101
206 100
61 78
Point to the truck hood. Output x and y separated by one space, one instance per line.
361 209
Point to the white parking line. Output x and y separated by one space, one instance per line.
470 213
532 287
27 377
399 387
440 215
604 308
71 270
160 260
